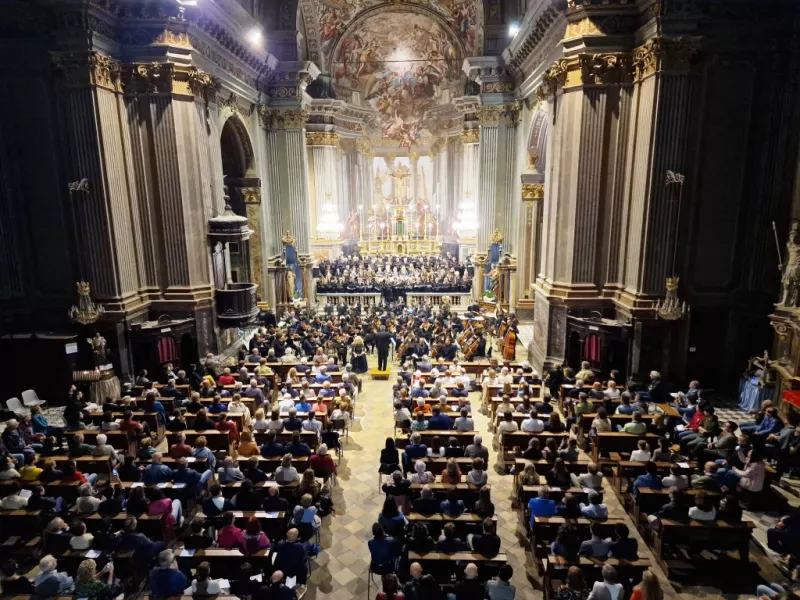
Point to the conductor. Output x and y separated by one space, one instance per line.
382 340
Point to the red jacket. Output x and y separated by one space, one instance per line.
226 379
230 427
322 464
697 420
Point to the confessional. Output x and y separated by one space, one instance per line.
604 343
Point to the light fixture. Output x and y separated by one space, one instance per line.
87 311
329 225
513 29
467 223
254 36
671 308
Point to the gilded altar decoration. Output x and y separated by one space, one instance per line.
790 269
86 311
365 148
288 239
496 237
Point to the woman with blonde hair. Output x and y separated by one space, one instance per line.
358 355
286 473
89 582
260 423
291 377
309 485
649 588
247 446
529 476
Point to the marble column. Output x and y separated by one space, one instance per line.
252 201
470 161
105 208
326 171
486 198
364 157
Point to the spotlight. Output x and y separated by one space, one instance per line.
254 36
513 29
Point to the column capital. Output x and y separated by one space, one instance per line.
532 191
364 148
251 195
284 118
660 54
290 80
89 69
598 69
470 136
322 138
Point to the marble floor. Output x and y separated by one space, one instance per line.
341 570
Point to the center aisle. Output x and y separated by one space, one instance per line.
341 570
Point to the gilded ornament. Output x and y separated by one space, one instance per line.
496 237
603 69
264 115
288 239
470 136
292 118
203 85
364 148
251 195
665 54
533 158
322 138
532 191
490 115
554 77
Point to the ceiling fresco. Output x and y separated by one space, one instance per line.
400 64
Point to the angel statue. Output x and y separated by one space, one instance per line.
98 343
791 268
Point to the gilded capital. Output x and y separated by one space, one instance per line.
604 69
665 54
264 116
90 69
251 195
322 138
489 116
470 136
150 78
203 85
365 148
554 77
532 191
289 118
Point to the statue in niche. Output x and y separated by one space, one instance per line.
291 281
354 225
99 353
790 280
494 281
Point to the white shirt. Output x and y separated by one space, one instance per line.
276 425
531 425
614 589
640 455
260 424
81 542
309 425
13 502
212 586
680 481
507 427
286 405
702 515
464 424
609 393
402 415
439 454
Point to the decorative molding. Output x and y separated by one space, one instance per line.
264 115
232 102
203 85
149 78
322 138
287 118
89 69
251 195
489 116
536 32
533 158
532 191
554 77
601 26
660 54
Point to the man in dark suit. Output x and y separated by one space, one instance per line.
276 590
292 557
383 339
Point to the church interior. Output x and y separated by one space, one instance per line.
435 299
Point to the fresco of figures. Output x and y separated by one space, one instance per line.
335 15
401 64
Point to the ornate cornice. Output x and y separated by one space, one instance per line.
554 77
292 81
536 32
322 138
89 69
532 191
203 85
660 54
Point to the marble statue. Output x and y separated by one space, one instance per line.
98 343
790 281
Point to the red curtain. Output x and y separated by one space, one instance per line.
591 348
167 350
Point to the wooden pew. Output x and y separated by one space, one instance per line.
628 470
700 538
21 522
116 439
648 501
152 527
465 523
612 441
554 569
443 566
543 467
557 494
236 417
151 418
438 465
545 529
521 439
66 489
464 438
308 437
215 440
287 490
88 464
225 561
464 491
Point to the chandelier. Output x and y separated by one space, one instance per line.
329 227
87 311
672 308
467 223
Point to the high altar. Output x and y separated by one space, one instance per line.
401 222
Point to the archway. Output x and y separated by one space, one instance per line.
244 187
537 141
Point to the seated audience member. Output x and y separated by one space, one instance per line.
592 479
383 550
541 505
452 506
642 452
48 581
595 509
477 450
448 542
608 588
710 480
286 473
165 579
569 507
271 448
199 538
292 558
229 536
596 547
702 510
675 479
500 588
567 543
12 583
228 473
201 450
486 543
650 479
156 472
622 545
297 447
426 504
470 588
477 475
216 503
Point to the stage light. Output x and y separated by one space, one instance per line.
513 29
254 36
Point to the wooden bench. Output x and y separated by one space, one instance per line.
557 494
66 489
465 523
225 561
443 566
465 438
20 522
628 470
698 538
464 491
543 467
215 440
152 527
287 490
437 466
612 441
555 568
116 439
648 501
236 417
87 464
307 437
151 418
545 529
